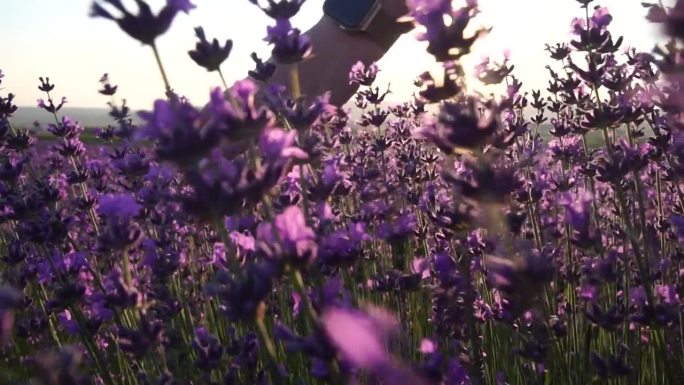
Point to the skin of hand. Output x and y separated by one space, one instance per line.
395 8
334 53
393 22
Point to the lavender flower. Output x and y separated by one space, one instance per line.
288 240
263 71
360 335
180 133
289 45
363 75
280 9
461 125
445 27
119 211
209 55
107 88
143 26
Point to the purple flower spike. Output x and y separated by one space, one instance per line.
119 206
121 231
184 6
601 18
145 26
281 9
51 107
289 45
276 144
207 54
7 107
670 17
68 128
363 75
288 239
444 27
428 346
595 36
461 126
236 115
678 225
489 72
263 70
578 25
181 135
360 335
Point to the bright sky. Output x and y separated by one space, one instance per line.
58 39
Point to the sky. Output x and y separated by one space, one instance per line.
58 39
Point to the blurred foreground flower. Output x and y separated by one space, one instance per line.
10 301
145 26
361 336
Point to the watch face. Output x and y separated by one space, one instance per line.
351 14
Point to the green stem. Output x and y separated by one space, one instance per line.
312 317
254 160
161 68
301 290
268 344
295 85
225 238
641 267
125 265
223 79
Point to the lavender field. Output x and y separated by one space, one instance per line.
264 236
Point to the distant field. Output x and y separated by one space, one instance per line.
93 118
87 117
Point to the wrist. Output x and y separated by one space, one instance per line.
327 32
376 23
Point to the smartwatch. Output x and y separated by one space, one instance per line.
368 18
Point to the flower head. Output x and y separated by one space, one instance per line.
235 114
67 128
281 9
444 27
118 206
263 70
288 238
144 26
107 87
289 45
209 55
7 107
181 135
276 144
363 75
465 125
360 335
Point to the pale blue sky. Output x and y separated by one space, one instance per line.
57 39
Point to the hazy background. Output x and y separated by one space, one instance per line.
58 39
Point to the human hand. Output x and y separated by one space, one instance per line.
390 23
394 8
